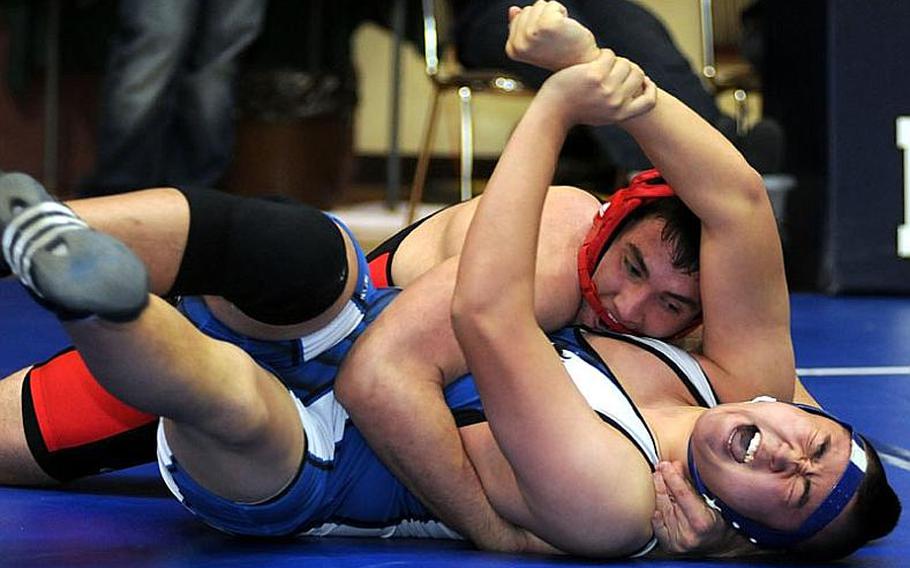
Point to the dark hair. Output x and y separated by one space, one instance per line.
682 229
874 515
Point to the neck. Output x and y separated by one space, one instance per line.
672 427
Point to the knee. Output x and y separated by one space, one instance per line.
250 406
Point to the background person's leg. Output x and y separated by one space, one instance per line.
621 25
201 136
147 54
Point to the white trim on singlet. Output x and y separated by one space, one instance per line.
165 460
333 332
404 529
607 398
323 421
686 363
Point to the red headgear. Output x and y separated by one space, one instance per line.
644 188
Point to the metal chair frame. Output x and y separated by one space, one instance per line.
740 84
465 84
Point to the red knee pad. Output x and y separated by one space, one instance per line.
74 427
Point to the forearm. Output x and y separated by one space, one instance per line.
392 386
407 422
704 168
503 235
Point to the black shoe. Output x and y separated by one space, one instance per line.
70 268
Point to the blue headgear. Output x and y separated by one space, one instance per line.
767 537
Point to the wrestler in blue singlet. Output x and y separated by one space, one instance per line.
343 489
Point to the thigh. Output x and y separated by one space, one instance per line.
154 223
152 36
306 500
249 455
226 28
633 31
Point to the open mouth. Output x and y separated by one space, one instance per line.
744 442
614 325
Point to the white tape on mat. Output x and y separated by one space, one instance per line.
853 371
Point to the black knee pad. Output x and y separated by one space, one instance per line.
279 261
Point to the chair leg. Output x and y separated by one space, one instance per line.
742 111
423 158
467 142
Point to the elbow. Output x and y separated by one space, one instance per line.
492 309
467 312
752 188
359 385
755 184
474 319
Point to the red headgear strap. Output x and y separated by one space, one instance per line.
644 188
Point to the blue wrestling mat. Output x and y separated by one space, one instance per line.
854 355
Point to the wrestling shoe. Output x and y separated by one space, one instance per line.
69 268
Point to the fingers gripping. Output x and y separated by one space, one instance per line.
682 522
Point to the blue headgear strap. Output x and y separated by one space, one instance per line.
767 537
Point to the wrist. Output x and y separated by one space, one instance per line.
639 123
550 108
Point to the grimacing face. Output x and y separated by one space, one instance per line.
770 461
639 287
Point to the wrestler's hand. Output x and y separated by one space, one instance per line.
608 90
544 35
684 524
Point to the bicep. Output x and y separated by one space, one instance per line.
587 488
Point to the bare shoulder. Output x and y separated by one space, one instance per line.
567 215
571 195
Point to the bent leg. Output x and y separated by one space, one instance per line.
230 423
156 225
76 428
225 411
281 263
